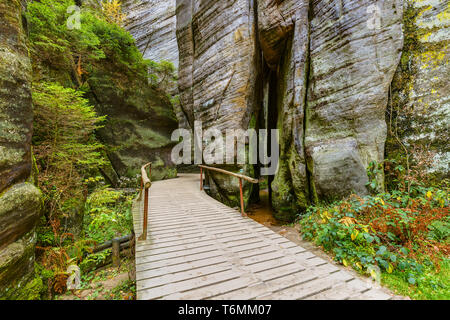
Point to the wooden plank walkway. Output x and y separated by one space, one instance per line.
198 248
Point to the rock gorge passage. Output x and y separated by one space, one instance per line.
316 70
324 74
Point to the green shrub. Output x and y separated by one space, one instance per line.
108 215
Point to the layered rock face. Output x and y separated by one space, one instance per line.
152 23
19 199
354 53
219 72
421 90
324 83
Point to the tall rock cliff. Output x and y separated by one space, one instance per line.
335 97
220 68
323 81
152 23
19 199
419 109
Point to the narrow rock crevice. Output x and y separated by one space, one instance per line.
308 163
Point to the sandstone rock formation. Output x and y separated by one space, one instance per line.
19 199
152 23
220 68
324 82
421 90
140 121
352 65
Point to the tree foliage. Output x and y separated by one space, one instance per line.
64 143
53 43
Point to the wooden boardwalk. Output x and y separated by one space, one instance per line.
198 248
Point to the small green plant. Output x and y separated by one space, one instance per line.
439 230
373 172
162 75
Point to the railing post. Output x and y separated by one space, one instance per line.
144 227
145 184
201 178
116 253
242 196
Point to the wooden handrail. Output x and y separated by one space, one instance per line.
237 175
146 183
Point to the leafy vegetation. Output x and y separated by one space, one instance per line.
108 216
80 211
113 12
99 39
78 49
405 235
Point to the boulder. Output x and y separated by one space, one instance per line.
139 124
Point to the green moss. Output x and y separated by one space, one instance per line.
283 197
32 291
16 268
18 196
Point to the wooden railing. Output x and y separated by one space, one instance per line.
146 183
237 175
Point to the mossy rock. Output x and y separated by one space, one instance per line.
17 270
19 211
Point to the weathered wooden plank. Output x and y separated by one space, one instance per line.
147 274
181 276
310 288
198 248
187 285
142 265
214 290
